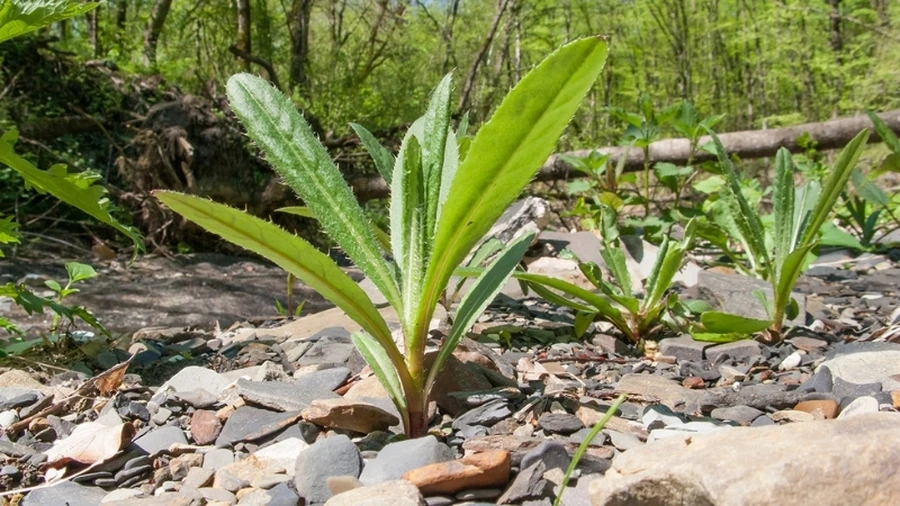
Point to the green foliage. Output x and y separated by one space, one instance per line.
777 255
638 318
18 17
440 209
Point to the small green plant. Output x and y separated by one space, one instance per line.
780 255
638 318
440 208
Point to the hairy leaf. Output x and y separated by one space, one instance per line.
384 160
20 17
727 323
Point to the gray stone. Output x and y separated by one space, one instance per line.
20 401
198 477
391 493
734 294
551 453
249 424
282 495
846 390
623 441
331 456
281 396
743 415
160 439
821 382
67 493
560 423
189 378
199 398
487 414
579 437
324 380
528 484
397 458
808 463
218 457
863 362
683 348
328 350
668 392
738 350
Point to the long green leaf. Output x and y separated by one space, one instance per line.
833 187
667 265
300 159
77 190
408 226
783 207
289 252
385 370
791 269
437 129
505 155
727 323
384 160
476 300
20 17
885 133
383 238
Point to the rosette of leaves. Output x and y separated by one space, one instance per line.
441 206
778 254
637 318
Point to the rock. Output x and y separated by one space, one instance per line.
282 396
734 294
67 493
391 493
610 344
738 350
807 344
205 427
455 376
481 470
820 382
249 424
560 423
334 350
864 362
552 454
199 398
8 417
283 453
188 379
623 441
251 470
528 484
281 495
165 499
161 439
323 380
180 466
218 496
809 463
743 415
487 414
859 406
198 477
668 392
396 458
331 456
847 391
826 408
348 414
791 415
683 348
218 457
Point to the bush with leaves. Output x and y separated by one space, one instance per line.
441 207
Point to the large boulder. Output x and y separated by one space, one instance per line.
829 462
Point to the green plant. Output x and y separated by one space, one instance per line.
638 318
780 255
440 209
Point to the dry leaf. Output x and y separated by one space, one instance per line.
108 381
89 443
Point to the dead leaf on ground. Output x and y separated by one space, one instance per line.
89 443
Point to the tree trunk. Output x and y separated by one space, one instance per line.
300 26
479 57
153 30
94 32
121 19
243 31
747 145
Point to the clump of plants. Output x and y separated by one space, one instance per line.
442 204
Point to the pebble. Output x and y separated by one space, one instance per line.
743 415
328 457
396 458
560 423
489 469
859 406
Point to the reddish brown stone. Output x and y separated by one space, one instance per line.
481 470
205 427
693 382
349 414
826 407
895 399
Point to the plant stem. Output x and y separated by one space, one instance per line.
646 181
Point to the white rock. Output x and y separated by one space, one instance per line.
860 406
283 453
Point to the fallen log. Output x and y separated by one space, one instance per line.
748 144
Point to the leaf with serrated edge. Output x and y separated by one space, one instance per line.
300 159
384 160
726 323
408 227
506 153
783 208
385 370
437 130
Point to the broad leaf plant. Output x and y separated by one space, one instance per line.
441 206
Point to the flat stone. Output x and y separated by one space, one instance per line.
198 477
456 376
820 382
250 471
188 379
859 406
487 414
396 458
281 396
864 362
393 493
528 484
283 453
560 423
165 499
826 408
68 493
683 348
249 424
807 343
328 457
199 398
161 439
791 415
348 414
815 462
205 427
552 454
743 415
489 469
217 457
623 441
668 392
734 294
323 380
847 390
217 496
738 350
328 350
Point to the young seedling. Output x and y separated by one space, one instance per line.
440 208
780 256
